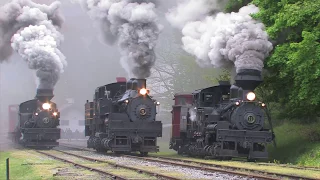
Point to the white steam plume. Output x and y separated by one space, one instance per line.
193 10
193 114
32 30
224 39
133 23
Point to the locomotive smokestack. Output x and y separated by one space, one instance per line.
142 83
44 95
139 84
248 79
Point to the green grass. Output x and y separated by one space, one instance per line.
19 168
297 144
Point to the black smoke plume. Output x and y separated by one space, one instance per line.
134 25
31 29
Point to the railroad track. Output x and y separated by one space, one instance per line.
312 168
210 167
221 168
116 165
114 176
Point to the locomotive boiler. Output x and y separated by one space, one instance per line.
222 121
122 118
38 121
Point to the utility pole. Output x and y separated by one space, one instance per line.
0 97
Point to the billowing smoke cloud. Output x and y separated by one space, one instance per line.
224 40
31 30
133 23
193 10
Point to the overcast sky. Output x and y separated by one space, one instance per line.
91 63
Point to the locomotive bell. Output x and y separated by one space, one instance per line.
44 95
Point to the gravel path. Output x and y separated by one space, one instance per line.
183 172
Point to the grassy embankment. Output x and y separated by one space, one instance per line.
25 165
297 144
29 165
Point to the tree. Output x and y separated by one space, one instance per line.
294 67
235 5
176 72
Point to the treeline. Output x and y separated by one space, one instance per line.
292 72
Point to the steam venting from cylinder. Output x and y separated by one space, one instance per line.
134 25
223 40
32 30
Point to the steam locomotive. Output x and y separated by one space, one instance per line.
122 118
37 122
222 121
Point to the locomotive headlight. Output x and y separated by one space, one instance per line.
55 113
126 101
36 114
143 91
46 106
251 96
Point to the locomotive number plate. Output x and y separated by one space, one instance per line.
251 119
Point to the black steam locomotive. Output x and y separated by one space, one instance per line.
222 121
38 121
122 118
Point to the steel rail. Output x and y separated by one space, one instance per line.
184 165
114 176
158 175
204 166
223 167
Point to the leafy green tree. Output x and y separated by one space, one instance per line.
294 67
235 5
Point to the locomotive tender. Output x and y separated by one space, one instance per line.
222 121
122 118
37 122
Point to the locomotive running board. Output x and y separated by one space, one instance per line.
244 136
